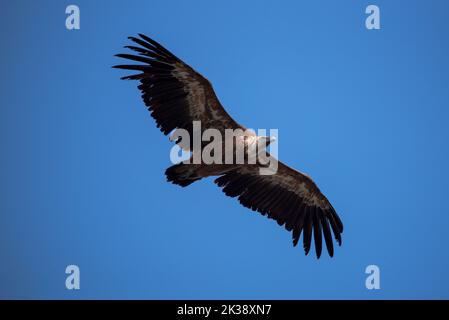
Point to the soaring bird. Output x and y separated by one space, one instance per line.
176 96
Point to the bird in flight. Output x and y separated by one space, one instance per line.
177 96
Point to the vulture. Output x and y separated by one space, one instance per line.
177 96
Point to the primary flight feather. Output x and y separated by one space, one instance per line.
176 96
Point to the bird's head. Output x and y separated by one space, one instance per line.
267 140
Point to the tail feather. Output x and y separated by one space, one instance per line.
182 174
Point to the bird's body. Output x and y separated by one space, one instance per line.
177 97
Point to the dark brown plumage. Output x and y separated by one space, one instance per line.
176 95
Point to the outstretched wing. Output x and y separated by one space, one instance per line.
289 197
175 94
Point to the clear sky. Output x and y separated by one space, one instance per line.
365 113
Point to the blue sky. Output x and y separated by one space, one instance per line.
82 168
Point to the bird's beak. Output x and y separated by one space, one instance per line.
269 140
